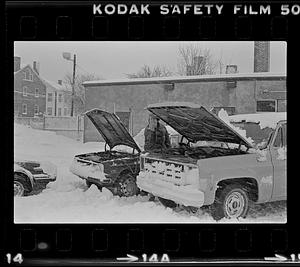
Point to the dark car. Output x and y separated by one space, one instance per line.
113 169
32 176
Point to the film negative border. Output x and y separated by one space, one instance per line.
220 242
66 22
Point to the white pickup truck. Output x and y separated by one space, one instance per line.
214 165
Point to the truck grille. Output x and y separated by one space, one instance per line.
167 171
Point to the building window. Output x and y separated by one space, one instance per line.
59 98
266 106
65 111
24 109
36 92
59 112
28 75
49 97
36 109
24 91
49 111
281 105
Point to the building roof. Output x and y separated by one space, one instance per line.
23 67
196 78
52 84
55 85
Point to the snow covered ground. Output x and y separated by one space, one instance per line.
68 200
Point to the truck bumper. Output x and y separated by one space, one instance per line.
185 194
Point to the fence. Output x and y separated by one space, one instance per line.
36 122
68 126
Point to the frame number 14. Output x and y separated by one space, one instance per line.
18 258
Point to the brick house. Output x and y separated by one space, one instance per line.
35 96
29 90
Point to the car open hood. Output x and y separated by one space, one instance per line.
111 128
196 123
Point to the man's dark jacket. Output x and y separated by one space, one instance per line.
157 139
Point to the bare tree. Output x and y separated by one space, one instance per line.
79 92
195 60
147 72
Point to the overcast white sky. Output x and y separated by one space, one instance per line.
113 60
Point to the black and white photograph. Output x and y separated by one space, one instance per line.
163 132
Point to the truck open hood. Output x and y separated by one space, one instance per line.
111 128
196 123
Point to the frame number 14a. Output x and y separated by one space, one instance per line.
155 258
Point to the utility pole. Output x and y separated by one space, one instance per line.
67 56
73 85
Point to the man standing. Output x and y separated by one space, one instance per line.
156 135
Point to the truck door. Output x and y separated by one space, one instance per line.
278 156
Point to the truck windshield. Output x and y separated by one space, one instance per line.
253 130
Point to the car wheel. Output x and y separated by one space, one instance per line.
127 186
20 185
167 203
232 203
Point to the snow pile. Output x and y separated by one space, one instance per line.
82 205
223 115
266 119
282 153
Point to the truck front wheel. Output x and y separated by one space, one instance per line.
231 202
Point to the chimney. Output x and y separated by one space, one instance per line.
17 63
36 67
59 82
231 69
261 56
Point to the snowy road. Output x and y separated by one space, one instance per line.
68 200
